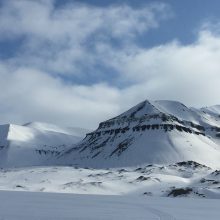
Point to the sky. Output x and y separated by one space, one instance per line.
79 62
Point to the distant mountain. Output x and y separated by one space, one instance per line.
34 143
152 132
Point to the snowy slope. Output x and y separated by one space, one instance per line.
212 110
160 132
28 146
75 131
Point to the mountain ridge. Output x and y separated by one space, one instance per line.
160 132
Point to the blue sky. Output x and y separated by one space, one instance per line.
80 62
188 15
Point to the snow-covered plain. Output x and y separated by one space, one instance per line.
54 206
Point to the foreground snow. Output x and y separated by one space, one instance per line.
45 206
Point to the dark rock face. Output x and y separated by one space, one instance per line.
192 164
180 192
142 178
216 173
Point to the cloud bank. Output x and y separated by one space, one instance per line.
98 47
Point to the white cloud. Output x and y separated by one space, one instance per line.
62 39
77 37
32 95
76 21
189 73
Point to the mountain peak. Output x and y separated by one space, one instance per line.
143 108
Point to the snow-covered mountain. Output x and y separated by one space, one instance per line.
34 143
152 132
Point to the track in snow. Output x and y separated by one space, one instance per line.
160 214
